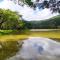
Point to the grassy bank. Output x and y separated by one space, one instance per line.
13 36
48 34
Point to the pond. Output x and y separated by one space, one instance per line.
38 48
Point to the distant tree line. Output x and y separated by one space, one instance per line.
51 23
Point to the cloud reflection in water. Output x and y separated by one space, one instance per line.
37 48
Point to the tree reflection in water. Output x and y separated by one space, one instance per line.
8 49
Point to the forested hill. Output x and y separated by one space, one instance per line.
44 24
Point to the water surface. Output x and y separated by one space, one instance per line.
38 48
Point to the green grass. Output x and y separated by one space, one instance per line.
48 34
8 32
12 35
9 35
53 34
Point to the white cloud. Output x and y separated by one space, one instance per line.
38 15
27 12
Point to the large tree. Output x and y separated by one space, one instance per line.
10 20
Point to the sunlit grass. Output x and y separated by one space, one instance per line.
48 34
13 37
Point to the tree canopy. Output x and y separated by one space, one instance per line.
54 5
10 20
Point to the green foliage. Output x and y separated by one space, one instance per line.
29 2
10 20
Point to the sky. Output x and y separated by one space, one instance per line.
27 12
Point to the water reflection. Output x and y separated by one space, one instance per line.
37 48
8 49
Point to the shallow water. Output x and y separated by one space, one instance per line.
38 48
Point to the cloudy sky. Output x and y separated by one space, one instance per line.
27 12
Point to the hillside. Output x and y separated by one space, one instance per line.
51 23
